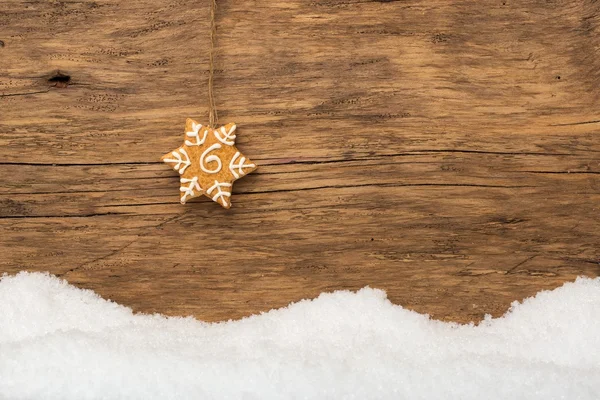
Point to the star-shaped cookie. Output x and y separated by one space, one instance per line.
208 162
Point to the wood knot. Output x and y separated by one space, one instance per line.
59 80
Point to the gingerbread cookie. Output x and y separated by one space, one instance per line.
208 163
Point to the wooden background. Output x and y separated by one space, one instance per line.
445 151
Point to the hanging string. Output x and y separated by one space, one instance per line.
212 109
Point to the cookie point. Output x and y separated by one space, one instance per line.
224 203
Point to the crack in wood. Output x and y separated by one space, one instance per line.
390 185
560 172
91 215
78 191
510 271
117 251
595 121
277 191
308 162
23 94
34 164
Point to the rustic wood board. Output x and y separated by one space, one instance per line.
447 152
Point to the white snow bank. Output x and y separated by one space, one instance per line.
59 342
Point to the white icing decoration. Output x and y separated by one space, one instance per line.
194 134
213 158
220 194
189 190
181 164
226 135
239 165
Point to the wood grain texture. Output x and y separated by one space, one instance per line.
447 152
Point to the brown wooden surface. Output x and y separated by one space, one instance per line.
446 151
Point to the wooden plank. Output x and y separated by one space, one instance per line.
447 152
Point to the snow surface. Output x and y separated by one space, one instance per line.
60 342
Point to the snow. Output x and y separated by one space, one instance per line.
60 342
